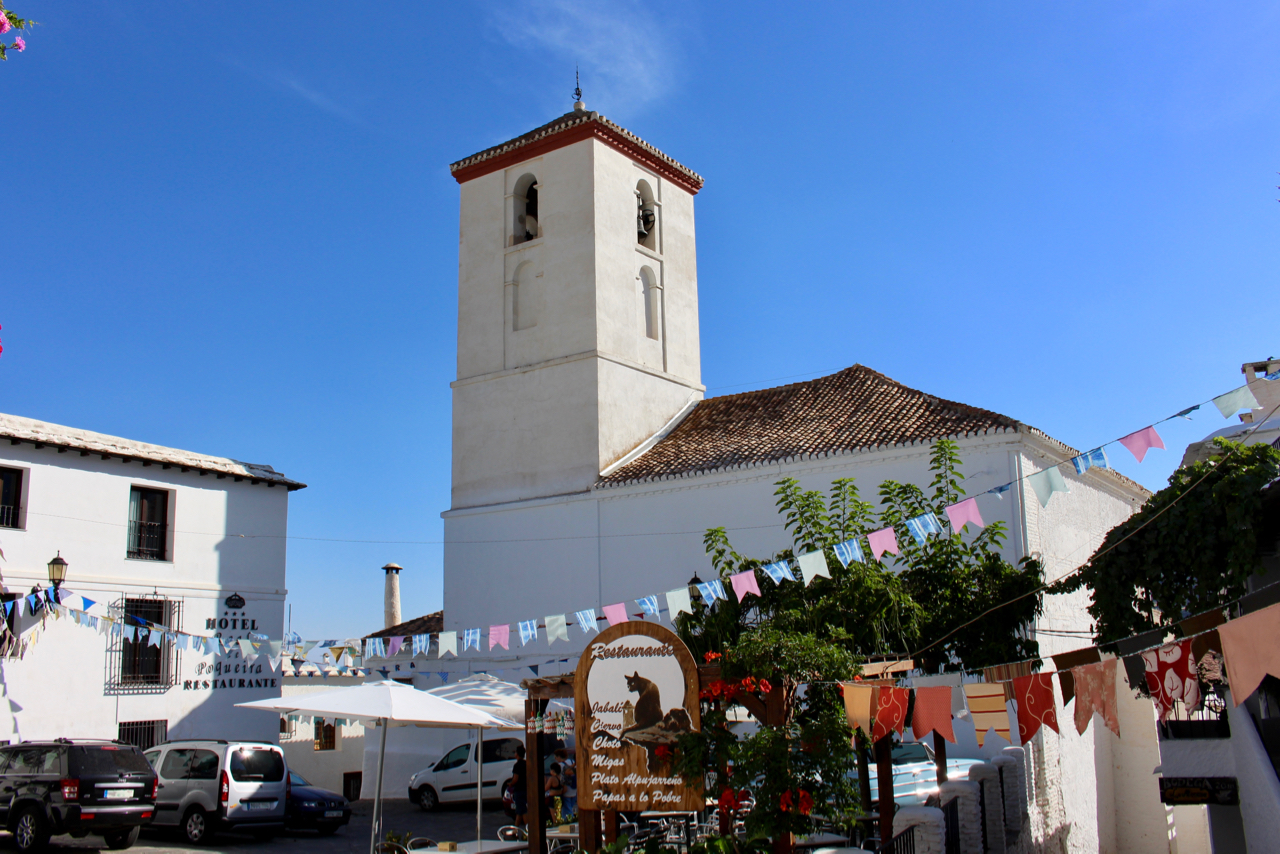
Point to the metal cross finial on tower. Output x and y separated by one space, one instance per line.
577 91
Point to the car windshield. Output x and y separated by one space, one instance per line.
295 779
256 764
107 759
907 754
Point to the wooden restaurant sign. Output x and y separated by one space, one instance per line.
636 693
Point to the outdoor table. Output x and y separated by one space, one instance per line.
489 846
562 834
821 840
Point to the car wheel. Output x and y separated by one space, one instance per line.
195 826
31 830
427 800
326 829
122 838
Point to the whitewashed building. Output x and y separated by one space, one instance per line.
191 542
587 465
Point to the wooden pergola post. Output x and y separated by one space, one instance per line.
884 774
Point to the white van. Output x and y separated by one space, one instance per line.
453 778
207 786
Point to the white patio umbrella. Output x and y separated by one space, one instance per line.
390 704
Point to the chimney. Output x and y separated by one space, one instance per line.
1266 392
391 598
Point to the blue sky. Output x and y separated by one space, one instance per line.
233 229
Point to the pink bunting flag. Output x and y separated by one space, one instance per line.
883 540
396 644
964 512
500 636
616 613
744 583
1142 441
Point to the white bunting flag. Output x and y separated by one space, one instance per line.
448 643
678 602
812 564
557 628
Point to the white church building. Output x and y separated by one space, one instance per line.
587 464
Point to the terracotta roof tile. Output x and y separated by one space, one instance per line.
430 624
855 409
578 119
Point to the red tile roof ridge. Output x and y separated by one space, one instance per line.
563 123
854 410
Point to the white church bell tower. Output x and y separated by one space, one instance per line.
577 308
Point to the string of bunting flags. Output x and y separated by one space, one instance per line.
1237 653
810 566
54 603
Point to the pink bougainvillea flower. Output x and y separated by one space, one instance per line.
20 43
4 24
784 802
806 802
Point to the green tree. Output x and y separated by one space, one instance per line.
1192 547
795 634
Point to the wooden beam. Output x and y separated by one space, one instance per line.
63 450
536 824
589 830
884 773
166 466
146 463
15 441
84 453
39 445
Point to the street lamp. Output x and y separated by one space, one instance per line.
57 573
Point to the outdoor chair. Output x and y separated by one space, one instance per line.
420 842
511 833
390 848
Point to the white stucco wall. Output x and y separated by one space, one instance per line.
323 768
80 506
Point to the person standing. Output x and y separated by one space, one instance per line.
520 786
569 774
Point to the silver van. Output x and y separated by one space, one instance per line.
207 786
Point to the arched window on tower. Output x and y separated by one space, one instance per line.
525 208
651 292
646 217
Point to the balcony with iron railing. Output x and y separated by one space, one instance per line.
147 540
1209 721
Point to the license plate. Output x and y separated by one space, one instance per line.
333 814
117 794
260 805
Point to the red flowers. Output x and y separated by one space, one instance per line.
728 800
663 752
721 689
803 802
710 656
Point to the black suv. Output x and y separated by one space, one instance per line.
77 787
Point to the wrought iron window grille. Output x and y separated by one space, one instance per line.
135 666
